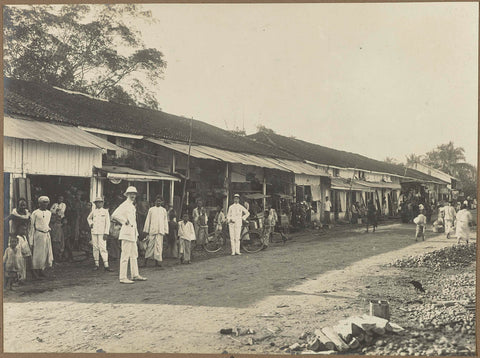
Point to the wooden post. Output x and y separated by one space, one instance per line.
148 191
172 191
227 187
264 190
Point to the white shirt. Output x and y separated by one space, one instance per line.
449 213
186 231
156 221
328 205
40 221
59 209
237 213
464 217
100 219
125 214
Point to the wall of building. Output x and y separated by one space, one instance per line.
32 157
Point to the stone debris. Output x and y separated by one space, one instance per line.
455 256
348 335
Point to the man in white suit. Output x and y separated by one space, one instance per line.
235 216
125 214
156 227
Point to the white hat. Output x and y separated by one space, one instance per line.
98 198
131 189
43 198
236 196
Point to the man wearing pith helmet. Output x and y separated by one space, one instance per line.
125 214
235 216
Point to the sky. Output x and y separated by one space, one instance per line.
382 80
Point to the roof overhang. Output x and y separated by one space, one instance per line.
126 173
47 132
112 133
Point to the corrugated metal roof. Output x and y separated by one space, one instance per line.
53 133
126 173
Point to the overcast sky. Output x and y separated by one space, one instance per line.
375 79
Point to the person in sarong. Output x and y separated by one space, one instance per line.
155 228
125 214
450 215
57 236
59 207
20 215
186 234
196 217
371 215
464 219
268 228
39 238
172 233
202 227
219 220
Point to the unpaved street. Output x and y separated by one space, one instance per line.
310 282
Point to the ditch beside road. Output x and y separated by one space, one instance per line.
312 281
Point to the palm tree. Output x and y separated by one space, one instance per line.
413 159
446 157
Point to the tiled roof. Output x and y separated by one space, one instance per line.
47 103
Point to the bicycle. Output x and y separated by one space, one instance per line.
250 240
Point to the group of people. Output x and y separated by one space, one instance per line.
450 220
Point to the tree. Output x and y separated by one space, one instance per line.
413 158
86 48
445 158
391 160
262 129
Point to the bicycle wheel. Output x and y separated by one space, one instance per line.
214 242
254 244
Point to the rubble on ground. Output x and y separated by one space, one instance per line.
455 256
349 335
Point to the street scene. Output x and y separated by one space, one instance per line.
279 180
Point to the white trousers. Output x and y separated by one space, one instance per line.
448 226
154 247
235 230
99 248
129 253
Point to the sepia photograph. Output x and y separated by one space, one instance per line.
232 178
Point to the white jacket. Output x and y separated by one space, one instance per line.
157 221
237 213
100 219
126 214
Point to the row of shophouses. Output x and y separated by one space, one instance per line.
56 139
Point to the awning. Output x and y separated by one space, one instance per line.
206 152
53 133
379 185
344 184
125 173
256 196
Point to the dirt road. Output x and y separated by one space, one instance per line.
308 283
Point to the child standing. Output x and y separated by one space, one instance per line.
186 234
23 252
203 227
10 260
421 221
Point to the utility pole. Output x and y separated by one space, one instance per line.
187 172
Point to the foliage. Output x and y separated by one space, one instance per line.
391 160
88 48
445 157
413 158
262 129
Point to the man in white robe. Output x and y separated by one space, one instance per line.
156 227
39 237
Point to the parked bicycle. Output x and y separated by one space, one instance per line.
251 240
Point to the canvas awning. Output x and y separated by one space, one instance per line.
53 133
125 173
256 196
344 184
206 152
380 185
